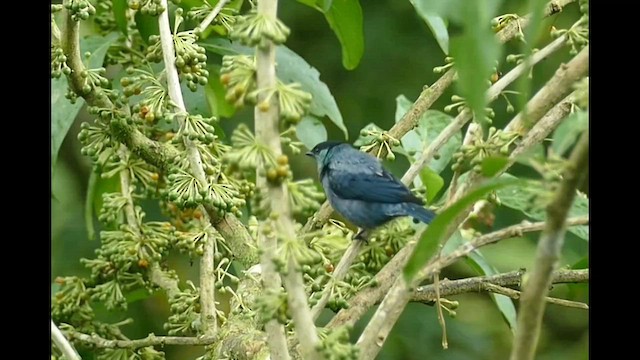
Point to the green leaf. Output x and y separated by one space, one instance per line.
520 199
430 125
291 68
195 102
120 14
437 230
437 25
311 131
63 113
568 131
137 295
581 264
479 263
432 182
345 19
475 54
214 90
147 25
491 165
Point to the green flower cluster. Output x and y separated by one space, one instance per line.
470 156
79 9
255 29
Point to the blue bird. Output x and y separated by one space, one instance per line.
361 190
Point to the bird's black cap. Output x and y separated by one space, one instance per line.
323 145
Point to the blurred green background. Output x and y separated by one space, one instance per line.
399 56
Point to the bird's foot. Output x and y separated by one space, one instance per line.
362 235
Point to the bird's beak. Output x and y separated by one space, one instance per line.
309 154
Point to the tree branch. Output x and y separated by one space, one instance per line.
548 253
212 15
151 340
393 304
427 293
366 298
551 93
515 294
63 344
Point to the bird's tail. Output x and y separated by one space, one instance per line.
419 213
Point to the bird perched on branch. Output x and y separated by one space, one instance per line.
361 190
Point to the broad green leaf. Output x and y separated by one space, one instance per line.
120 14
437 230
479 263
432 182
345 19
521 199
491 165
430 125
291 68
568 131
195 102
475 54
137 295
311 131
581 264
446 9
63 113
215 92
147 25
437 25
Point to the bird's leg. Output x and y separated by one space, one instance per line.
362 235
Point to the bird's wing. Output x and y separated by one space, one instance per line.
368 182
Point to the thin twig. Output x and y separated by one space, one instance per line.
548 254
207 267
63 344
441 320
151 340
427 293
212 15
492 93
515 294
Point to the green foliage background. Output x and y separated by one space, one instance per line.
399 54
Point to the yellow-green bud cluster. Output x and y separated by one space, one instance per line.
372 136
79 9
95 140
304 196
335 344
58 63
185 309
256 29
197 127
470 156
155 103
272 305
448 64
238 75
294 102
146 7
